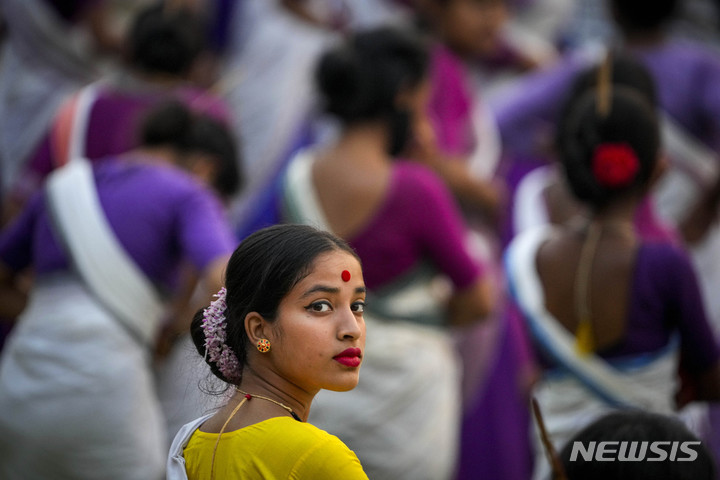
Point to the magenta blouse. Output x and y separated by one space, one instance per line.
418 221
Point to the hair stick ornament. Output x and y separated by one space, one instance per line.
604 86
558 471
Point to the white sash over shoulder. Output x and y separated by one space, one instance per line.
96 253
301 201
646 384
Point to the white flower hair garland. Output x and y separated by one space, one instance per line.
214 328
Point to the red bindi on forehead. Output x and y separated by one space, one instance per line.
345 275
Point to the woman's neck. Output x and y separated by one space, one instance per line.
364 143
279 390
618 217
619 211
153 155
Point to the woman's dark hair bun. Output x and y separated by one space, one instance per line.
338 75
360 79
631 122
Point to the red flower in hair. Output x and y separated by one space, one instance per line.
615 164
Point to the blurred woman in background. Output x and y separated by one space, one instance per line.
602 303
77 398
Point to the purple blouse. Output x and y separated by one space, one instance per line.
160 214
687 76
665 299
688 82
113 127
418 220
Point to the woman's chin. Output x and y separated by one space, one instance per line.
343 386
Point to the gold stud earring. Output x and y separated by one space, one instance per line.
263 345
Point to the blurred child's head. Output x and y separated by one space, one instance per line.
642 428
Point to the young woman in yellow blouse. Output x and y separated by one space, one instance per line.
288 323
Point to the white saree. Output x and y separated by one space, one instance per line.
77 398
402 420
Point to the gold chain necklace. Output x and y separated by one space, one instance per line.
250 396
585 338
247 396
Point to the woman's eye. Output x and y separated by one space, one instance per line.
358 307
319 307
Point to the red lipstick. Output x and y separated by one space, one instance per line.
351 357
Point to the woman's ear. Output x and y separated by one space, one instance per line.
202 166
256 327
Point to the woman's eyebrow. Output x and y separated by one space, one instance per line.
320 288
326 289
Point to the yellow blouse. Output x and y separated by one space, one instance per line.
278 448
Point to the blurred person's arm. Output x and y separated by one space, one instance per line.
16 258
13 295
188 300
699 359
702 216
207 242
479 195
444 237
471 304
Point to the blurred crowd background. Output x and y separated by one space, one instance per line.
499 72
